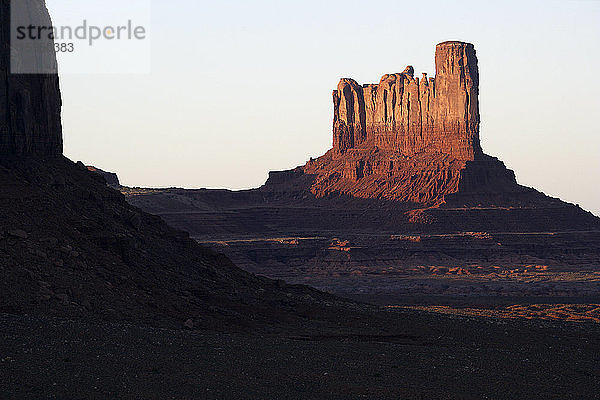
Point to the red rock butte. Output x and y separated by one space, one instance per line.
408 138
411 115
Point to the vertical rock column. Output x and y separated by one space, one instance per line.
411 115
456 105
349 115
30 104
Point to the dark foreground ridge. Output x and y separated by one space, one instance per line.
71 246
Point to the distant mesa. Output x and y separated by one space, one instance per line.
407 139
406 188
405 192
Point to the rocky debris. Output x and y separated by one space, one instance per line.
30 122
100 257
339 245
426 178
189 324
18 233
111 178
410 238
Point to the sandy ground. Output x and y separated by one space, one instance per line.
427 356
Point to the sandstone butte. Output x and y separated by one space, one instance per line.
408 138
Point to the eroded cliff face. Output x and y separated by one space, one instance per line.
411 115
408 139
30 104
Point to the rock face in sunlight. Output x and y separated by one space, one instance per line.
411 115
404 207
408 139
30 118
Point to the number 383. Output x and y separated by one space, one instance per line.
64 47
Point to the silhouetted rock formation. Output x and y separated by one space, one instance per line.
111 178
71 246
30 104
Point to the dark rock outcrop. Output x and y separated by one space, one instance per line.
78 249
30 104
111 178
70 246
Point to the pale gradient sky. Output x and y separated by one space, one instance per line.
239 88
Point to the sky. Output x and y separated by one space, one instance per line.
235 89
